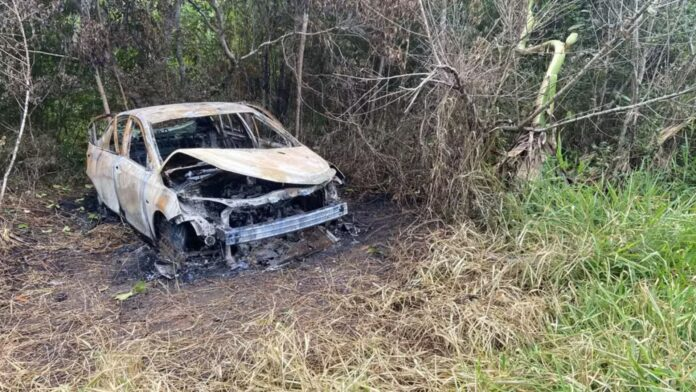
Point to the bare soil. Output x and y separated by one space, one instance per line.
61 267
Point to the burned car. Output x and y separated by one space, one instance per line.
199 177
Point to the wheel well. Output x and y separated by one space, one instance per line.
192 239
156 221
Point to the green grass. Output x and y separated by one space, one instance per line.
620 265
584 287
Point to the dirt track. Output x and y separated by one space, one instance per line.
60 271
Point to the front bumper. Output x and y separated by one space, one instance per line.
240 235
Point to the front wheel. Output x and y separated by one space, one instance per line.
171 242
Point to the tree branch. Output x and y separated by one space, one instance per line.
632 23
599 113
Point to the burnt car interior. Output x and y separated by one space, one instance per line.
222 131
203 186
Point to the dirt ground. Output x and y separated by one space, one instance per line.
62 265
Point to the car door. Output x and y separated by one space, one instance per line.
102 154
132 174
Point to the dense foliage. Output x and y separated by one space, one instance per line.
416 98
579 278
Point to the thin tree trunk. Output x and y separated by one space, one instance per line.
630 122
25 111
266 81
179 49
221 32
115 69
373 99
298 73
102 94
16 146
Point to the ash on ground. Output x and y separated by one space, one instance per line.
143 261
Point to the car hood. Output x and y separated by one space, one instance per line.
290 165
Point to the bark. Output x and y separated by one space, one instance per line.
114 68
266 81
219 30
630 122
298 74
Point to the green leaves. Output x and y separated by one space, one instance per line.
139 287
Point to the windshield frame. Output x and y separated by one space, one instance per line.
268 120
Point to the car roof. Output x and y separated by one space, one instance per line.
156 114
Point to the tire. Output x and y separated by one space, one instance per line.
171 242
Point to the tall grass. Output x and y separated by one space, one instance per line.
622 272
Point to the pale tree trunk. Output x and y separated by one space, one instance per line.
124 99
102 93
25 108
298 73
179 50
535 146
114 67
219 30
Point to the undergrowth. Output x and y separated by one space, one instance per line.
582 286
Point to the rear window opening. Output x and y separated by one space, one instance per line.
244 130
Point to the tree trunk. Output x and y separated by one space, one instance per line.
179 49
102 93
16 147
25 108
298 73
628 127
116 71
221 32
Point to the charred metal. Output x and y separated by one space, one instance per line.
209 176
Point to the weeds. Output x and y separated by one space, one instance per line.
583 286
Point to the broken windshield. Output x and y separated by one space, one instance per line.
219 131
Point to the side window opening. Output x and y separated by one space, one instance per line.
98 131
117 138
137 150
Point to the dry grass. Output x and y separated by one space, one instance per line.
450 297
591 288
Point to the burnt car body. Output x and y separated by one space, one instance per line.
208 176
